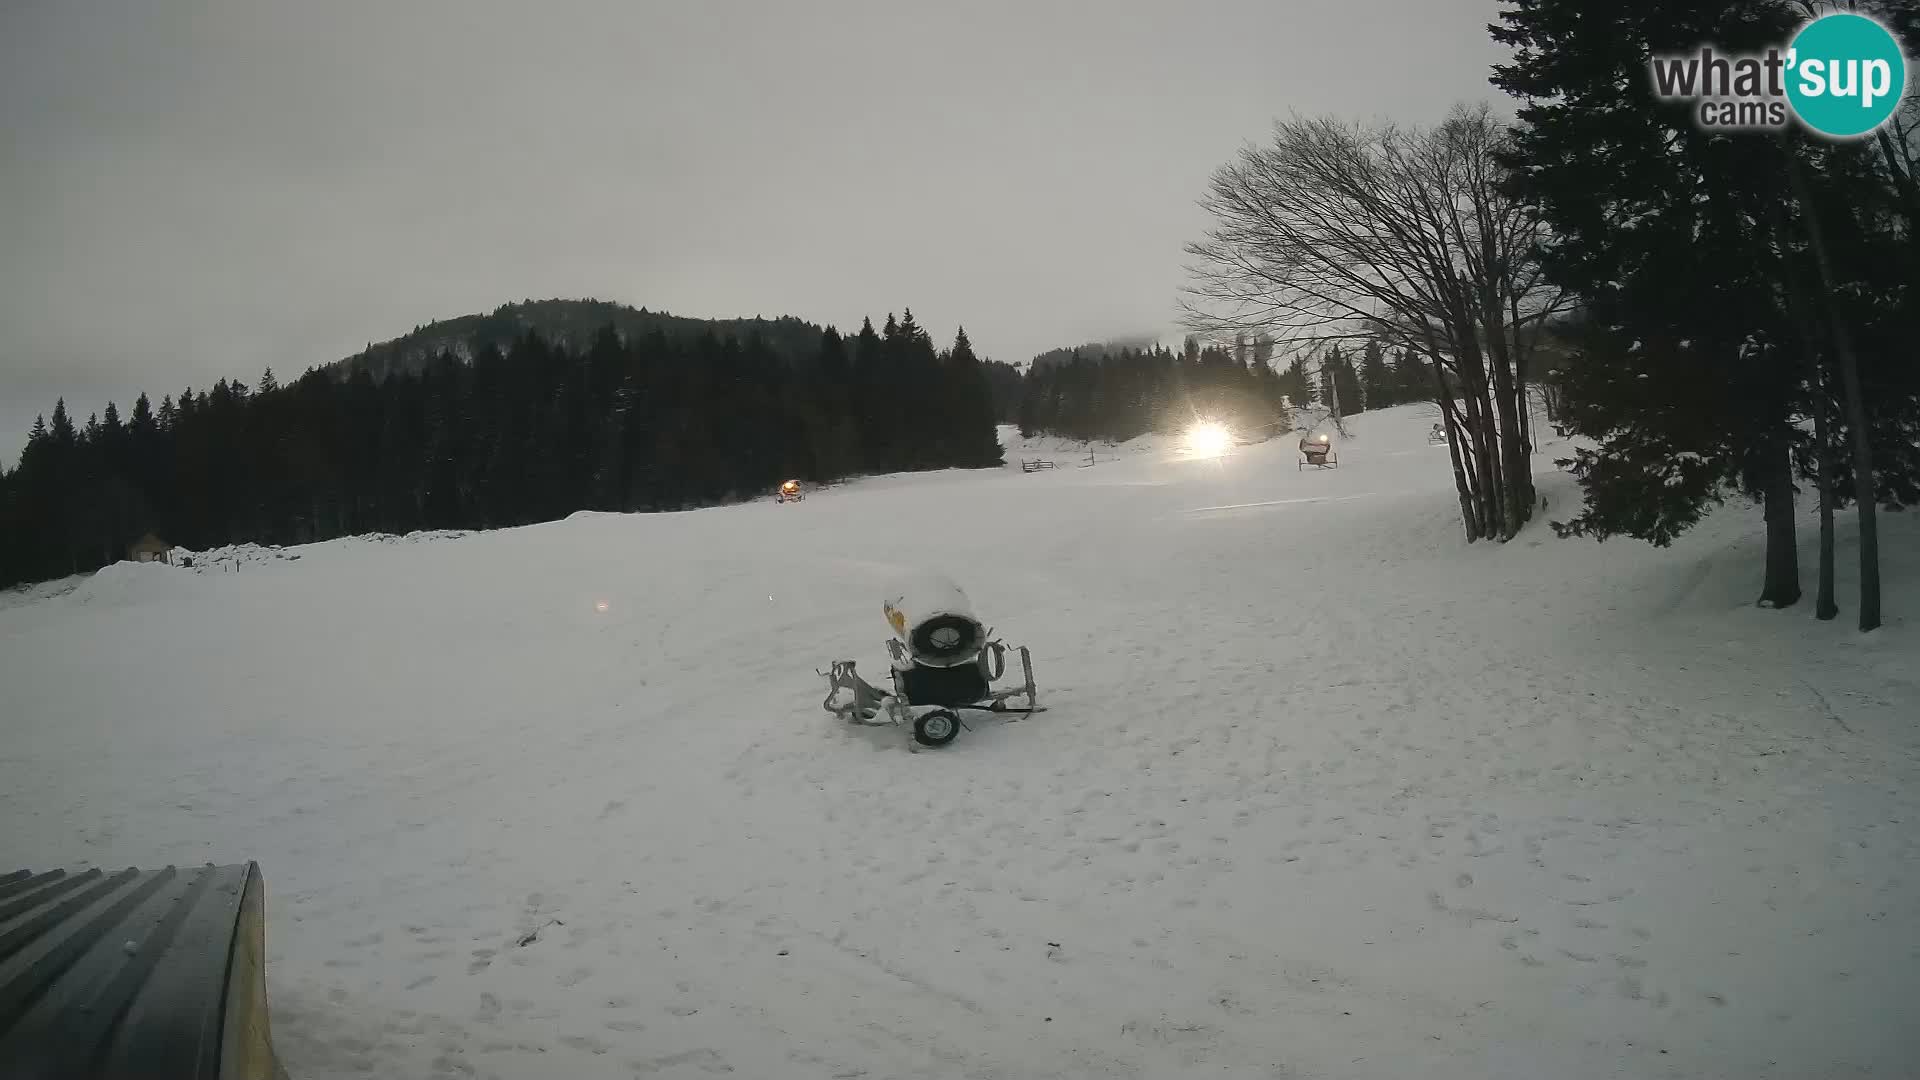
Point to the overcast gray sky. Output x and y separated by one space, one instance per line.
193 189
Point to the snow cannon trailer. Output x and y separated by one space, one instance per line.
157 974
944 660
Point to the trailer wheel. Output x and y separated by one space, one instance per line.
936 727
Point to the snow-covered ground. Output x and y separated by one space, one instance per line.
1323 792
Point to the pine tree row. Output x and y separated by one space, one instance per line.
527 433
1115 394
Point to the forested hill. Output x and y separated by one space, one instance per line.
1095 350
569 325
555 419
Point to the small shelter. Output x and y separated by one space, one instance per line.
150 548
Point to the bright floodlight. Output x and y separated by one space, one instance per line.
1209 439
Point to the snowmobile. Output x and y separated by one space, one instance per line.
789 492
943 660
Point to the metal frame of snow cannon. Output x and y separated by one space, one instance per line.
931 697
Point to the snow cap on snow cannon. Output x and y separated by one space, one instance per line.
935 621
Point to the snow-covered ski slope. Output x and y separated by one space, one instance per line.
1323 792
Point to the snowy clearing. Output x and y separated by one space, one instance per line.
1323 792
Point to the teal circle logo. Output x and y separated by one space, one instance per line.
1845 75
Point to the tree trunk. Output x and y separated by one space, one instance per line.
1527 446
1462 482
1522 352
1800 307
1866 495
1485 449
1516 488
1824 605
1469 517
1485 426
1782 587
1550 397
1473 460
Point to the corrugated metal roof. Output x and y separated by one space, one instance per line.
122 973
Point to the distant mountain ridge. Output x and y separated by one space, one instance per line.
1095 350
570 324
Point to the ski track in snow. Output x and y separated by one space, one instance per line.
1322 791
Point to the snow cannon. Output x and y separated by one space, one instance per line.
935 621
944 660
1317 451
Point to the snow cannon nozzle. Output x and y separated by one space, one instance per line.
934 620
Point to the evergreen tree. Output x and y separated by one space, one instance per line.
1004 382
1692 380
1412 381
1377 386
1262 353
909 329
1298 385
976 444
876 395
1339 387
63 433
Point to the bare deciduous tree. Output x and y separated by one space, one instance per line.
1341 232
